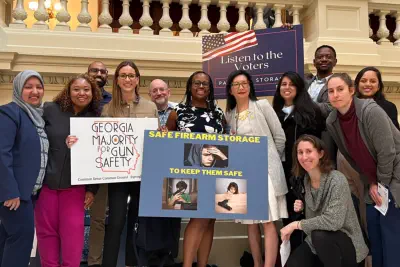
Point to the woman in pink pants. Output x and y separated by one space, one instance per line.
59 211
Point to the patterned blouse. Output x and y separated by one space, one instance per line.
203 120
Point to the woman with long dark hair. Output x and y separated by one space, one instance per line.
197 113
246 115
369 84
298 115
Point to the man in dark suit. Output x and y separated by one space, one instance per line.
324 61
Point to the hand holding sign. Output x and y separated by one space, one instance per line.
109 149
71 140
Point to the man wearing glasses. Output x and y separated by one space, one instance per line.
159 94
99 72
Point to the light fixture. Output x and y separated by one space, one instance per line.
51 7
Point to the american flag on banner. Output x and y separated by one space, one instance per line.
219 45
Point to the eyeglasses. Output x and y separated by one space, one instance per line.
130 76
161 90
201 84
237 85
95 70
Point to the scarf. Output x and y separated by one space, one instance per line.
35 114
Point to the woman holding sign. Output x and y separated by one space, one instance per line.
198 113
60 209
248 116
334 235
125 103
23 158
370 142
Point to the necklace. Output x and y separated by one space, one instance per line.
244 115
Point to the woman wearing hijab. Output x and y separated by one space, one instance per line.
206 156
23 159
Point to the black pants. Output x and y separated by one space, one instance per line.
334 249
16 234
118 205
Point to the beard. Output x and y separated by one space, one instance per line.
100 82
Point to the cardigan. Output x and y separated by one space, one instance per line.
380 136
266 123
332 209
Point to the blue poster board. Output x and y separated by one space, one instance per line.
199 175
265 54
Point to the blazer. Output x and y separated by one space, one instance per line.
380 136
322 99
266 123
19 153
58 171
293 131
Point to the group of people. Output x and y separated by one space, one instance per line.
330 144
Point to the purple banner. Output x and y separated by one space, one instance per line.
265 54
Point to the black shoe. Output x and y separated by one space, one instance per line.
95 265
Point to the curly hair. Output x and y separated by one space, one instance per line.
64 97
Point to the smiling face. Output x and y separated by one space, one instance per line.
308 156
369 84
127 79
200 87
325 60
340 94
240 87
159 93
288 91
33 92
207 159
98 71
81 94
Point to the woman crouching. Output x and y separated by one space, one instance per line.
334 235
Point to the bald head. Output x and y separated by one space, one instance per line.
98 71
96 64
159 93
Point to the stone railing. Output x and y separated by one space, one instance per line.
384 18
213 16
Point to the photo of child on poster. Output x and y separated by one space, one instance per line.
179 194
203 175
231 196
211 156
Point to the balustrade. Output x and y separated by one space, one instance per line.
213 16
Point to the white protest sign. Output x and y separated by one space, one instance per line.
108 150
